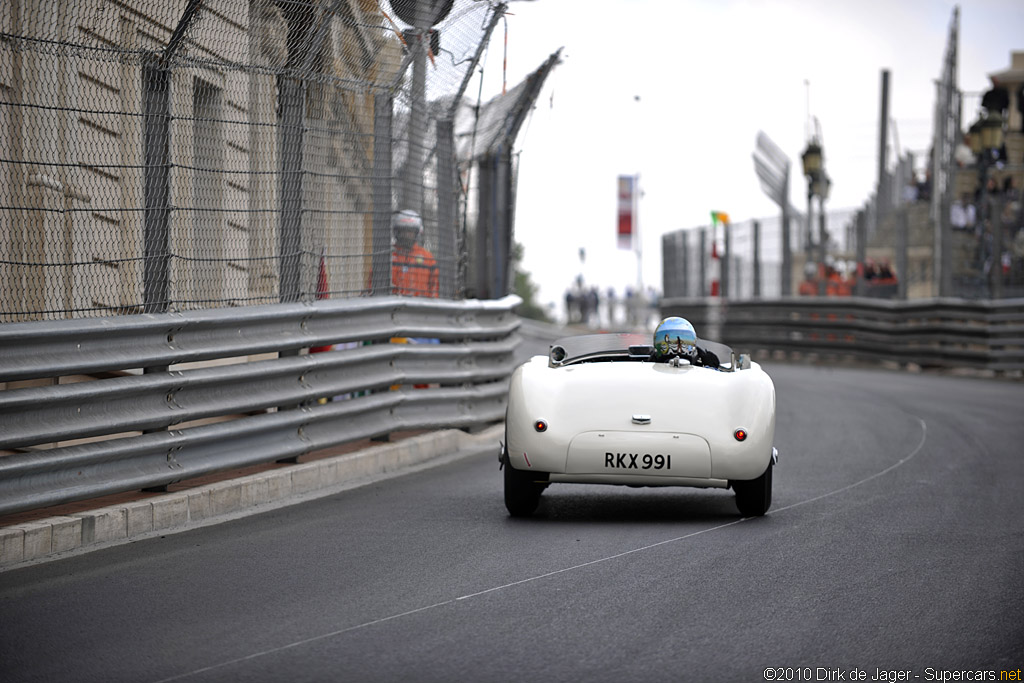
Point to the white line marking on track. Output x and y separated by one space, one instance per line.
349 629
305 641
890 468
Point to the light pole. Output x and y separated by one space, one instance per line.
821 188
813 163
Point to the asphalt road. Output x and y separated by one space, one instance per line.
895 542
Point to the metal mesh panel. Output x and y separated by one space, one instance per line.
164 156
688 267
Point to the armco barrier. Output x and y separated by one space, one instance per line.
941 333
150 421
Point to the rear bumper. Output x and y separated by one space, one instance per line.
620 457
637 480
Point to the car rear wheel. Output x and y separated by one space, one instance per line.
522 491
754 497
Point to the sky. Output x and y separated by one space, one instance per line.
677 92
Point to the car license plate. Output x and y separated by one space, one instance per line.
637 461
644 454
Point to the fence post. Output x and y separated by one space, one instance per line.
883 198
502 241
808 228
902 227
447 208
997 247
292 94
668 268
380 259
493 228
479 261
944 229
787 248
411 188
757 259
726 258
684 250
156 142
702 289
862 250
156 126
822 248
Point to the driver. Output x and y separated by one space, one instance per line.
676 338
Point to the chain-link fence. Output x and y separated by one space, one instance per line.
954 228
744 259
957 230
160 156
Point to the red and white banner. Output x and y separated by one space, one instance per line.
627 211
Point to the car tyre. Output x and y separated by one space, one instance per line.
522 492
754 497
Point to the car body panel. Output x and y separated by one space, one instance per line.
640 408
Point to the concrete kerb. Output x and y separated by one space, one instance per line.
56 537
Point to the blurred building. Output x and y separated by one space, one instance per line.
79 80
976 257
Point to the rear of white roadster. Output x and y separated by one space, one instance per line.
599 409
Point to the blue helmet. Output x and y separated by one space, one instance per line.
675 336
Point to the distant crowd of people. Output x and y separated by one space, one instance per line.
919 189
1002 200
587 305
1005 196
841 279
975 216
878 272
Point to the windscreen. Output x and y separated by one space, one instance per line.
613 344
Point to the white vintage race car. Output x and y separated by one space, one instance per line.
602 409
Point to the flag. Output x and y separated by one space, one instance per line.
716 218
627 210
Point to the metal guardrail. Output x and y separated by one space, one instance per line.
272 408
90 345
943 333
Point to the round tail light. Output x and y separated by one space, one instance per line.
740 434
